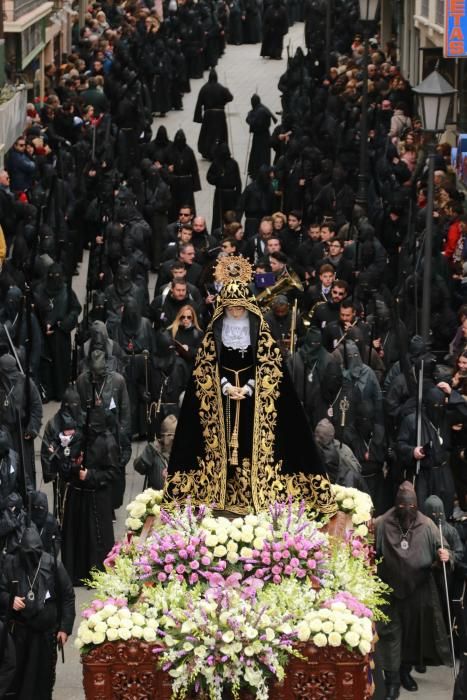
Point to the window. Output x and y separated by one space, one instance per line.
439 17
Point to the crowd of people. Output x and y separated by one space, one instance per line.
340 285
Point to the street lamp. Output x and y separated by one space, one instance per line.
367 14
434 96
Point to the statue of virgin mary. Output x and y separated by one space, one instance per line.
242 439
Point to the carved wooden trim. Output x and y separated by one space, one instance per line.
127 671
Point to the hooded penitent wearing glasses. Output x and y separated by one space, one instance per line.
410 547
242 438
39 590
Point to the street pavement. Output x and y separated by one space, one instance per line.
244 73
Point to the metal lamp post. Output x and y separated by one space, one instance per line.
434 96
367 14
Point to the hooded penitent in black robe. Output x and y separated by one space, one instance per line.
87 531
35 627
415 633
135 335
15 413
209 112
224 174
58 309
184 179
275 456
259 119
275 25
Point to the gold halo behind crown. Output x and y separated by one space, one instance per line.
233 268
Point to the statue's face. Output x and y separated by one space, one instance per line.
235 311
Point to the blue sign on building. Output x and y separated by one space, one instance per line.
455 29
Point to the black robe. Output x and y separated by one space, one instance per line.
184 179
87 534
275 25
134 342
61 312
259 120
34 629
225 176
209 112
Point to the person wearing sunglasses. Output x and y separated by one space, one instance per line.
186 334
21 167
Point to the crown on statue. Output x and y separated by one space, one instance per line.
233 268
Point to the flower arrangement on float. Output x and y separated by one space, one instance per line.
228 602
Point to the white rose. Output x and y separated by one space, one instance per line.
232 546
364 647
261 532
303 631
149 634
100 627
251 633
320 640
249 651
228 637
136 632
235 535
144 497
220 551
247 536
251 520
138 619
222 536
340 626
327 627
334 639
348 503
124 633
269 634
155 510
138 510
258 543
246 552
98 637
232 557
362 530
86 636
133 524
211 541
315 625
113 621
112 634
352 639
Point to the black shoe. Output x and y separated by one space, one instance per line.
392 691
408 682
420 669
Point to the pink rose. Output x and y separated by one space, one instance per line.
168 568
277 556
311 564
161 576
205 561
180 569
183 554
194 578
276 570
194 565
276 579
169 559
